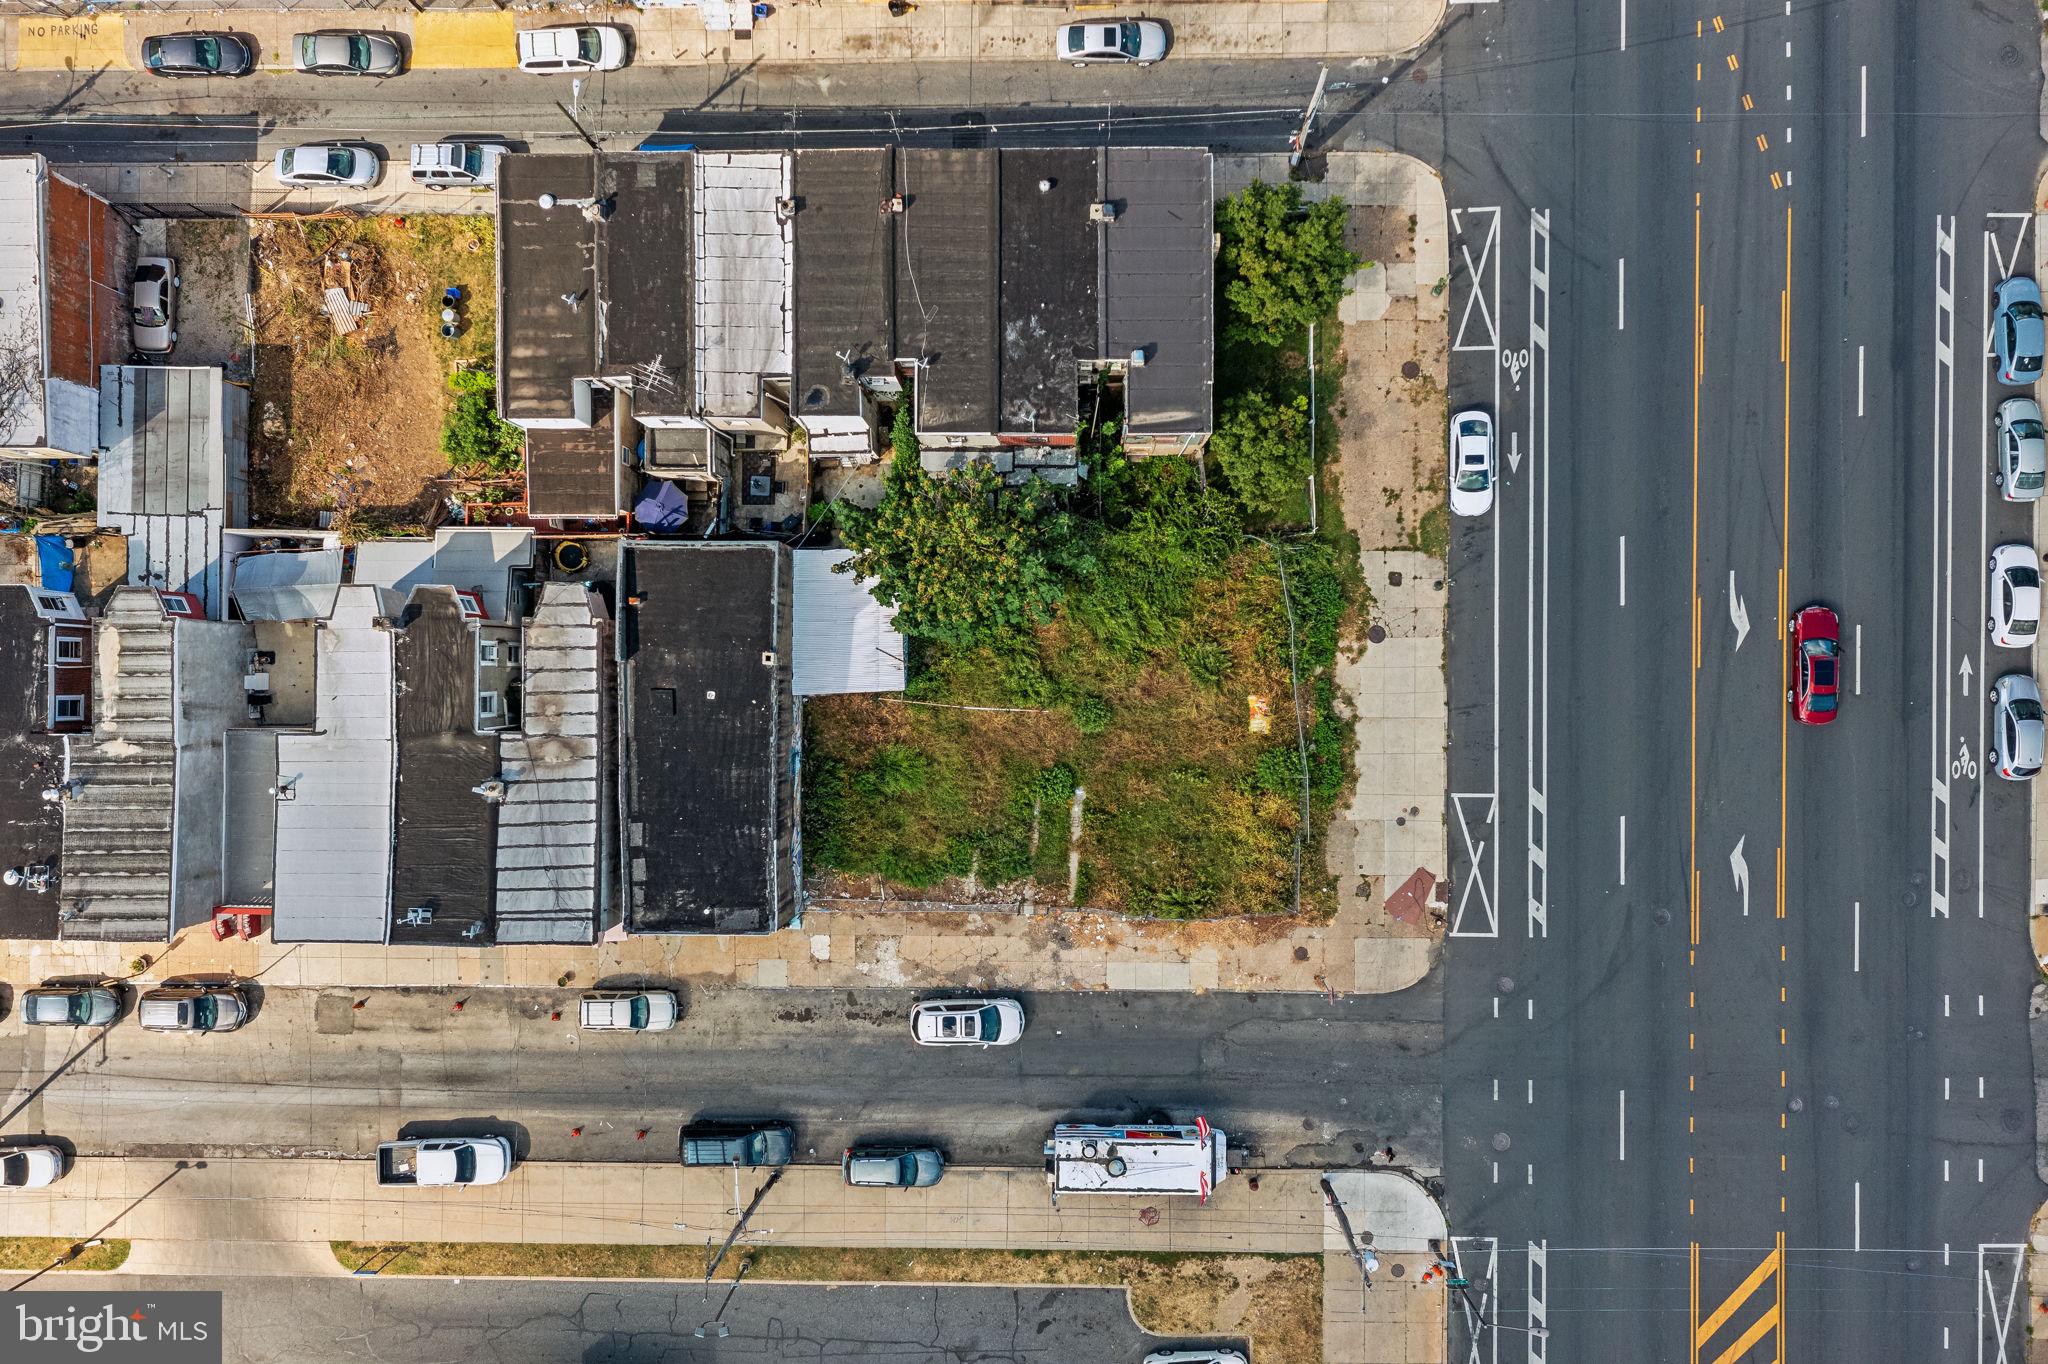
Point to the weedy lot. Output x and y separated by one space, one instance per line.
352 424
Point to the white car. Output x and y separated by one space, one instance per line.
629 1011
30 1167
327 163
1195 1357
967 1022
1136 42
437 165
1471 463
153 305
572 48
2015 596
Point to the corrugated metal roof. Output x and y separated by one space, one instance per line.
547 827
333 881
744 262
845 640
164 441
21 292
287 584
476 558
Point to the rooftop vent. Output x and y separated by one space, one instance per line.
1102 211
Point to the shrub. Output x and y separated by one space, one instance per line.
475 438
1091 714
896 770
1261 443
1282 266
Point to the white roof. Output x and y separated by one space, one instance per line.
845 640
286 584
21 290
480 558
744 263
333 880
1136 1160
546 882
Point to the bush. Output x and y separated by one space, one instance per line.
1055 785
1282 266
475 438
896 770
1160 534
1262 446
1092 714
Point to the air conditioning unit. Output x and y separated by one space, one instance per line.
1102 211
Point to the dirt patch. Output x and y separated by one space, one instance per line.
214 303
1383 233
352 424
1276 1300
1391 430
40 1252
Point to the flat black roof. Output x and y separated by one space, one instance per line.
707 827
547 306
1050 314
845 267
648 261
570 470
31 828
946 268
445 841
1159 285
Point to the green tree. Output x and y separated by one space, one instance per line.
1282 265
964 558
475 437
1262 445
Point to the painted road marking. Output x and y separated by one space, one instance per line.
1858 1243
1475 869
1624 25
1859 382
1856 943
1622 576
1623 856
1944 447
1621 1126
1999 1268
1621 295
1771 1319
1859 658
1863 104
85 44
463 39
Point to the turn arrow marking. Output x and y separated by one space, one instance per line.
1738 612
1740 868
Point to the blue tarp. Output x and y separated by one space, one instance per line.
54 557
662 505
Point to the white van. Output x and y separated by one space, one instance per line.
437 165
572 48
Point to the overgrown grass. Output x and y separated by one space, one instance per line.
1276 1300
37 1252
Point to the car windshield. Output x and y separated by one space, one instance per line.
2026 708
473 160
2022 576
637 1014
1472 428
2022 627
2023 307
906 1169
1077 38
1127 39
1472 481
465 1165
76 1007
206 52
2027 364
2028 481
991 1024
359 52
2026 428
150 317
14 1170
1821 703
204 1012
588 45
340 161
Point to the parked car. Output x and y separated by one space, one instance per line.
327 163
628 1011
197 54
892 1167
572 48
2018 334
193 1008
30 1167
2022 450
70 1006
744 1144
1816 665
1471 463
2015 596
2017 727
347 52
967 1022
1195 1357
437 165
442 1162
1136 42
153 305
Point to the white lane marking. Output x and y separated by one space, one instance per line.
1859 381
1980 1169
1944 1006
1621 294
1624 25
1496 1172
1997 1301
1622 1127
1537 725
1980 1006
1788 100
1858 1245
1531 1002
1942 438
1622 576
1738 866
1475 861
1531 1098
1496 1089
1859 658
1863 105
1944 1172
1856 948
1738 612
1496 1006
1529 1174
1788 134
1622 859
1944 1089
1788 47
1980 1086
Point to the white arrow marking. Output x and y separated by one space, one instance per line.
1965 670
1741 870
1738 611
1515 452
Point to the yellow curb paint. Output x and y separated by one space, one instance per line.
449 39
83 44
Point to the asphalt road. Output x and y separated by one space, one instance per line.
497 1321
1736 1053
1300 1080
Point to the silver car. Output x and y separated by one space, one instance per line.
967 1022
193 1008
70 1006
892 1167
2017 727
347 52
153 305
327 163
2022 450
1471 463
1132 42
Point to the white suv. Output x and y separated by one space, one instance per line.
629 1011
572 47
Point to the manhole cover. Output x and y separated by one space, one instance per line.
1301 954
1377 634
1663 918
1410 369
1399 1271
2009 55
1501 1142
1419 76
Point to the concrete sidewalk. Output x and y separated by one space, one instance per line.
802 31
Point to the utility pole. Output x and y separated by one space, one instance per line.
1308 119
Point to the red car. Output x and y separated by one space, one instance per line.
1816 665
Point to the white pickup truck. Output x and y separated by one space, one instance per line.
441 1162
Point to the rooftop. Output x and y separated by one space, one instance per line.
444 845
481 559
844 263
286 584
173 470
743 269
1051 266
845 640
946 272
31 828
21 294
547 335
645 288
1160 284
572 472
707 721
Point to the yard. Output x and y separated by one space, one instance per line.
352 424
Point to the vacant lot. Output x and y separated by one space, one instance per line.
352 424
